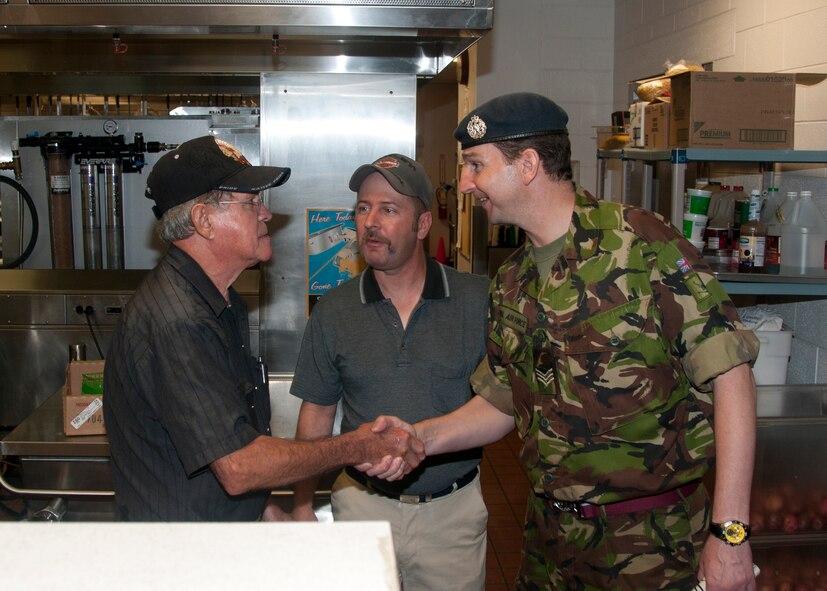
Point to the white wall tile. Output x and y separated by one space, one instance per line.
673 6
595 87
737 62
628 15
653 10
712 8
575 112
811 102
762 48
750 13
804 43
577 20
663 26
598 113
811 136
565 85
633 39
559 51
687 17
598 55
783 9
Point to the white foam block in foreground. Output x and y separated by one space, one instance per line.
354 556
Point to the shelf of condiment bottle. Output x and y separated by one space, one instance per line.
680 155
770 284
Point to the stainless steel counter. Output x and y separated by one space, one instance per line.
79 470
41 434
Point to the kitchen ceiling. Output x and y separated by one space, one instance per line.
88 44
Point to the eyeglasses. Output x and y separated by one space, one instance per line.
256 203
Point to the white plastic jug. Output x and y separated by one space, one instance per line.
803 238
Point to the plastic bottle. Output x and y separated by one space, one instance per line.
772 249
772 201
782 214
753 237
803 238
740 212
776 224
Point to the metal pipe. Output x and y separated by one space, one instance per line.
113 177
60 207
54 511
90 217
25 492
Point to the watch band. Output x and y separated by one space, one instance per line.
733 533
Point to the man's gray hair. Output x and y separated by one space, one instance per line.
176 224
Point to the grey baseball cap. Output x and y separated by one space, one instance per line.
404 174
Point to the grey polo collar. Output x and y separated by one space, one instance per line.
436 284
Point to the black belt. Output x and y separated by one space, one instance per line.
414 499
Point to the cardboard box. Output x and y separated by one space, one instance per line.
84 377
83 415
656 126
735 110
637 123
83 398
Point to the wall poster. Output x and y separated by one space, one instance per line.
332 251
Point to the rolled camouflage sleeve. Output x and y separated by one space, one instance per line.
700 319
719 354
487 385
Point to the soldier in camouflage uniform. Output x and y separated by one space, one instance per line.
611 343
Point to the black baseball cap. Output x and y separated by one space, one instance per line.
404 174
202 165
511 117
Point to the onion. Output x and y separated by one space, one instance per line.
790 523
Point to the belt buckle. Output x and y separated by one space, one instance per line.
568 507
414 499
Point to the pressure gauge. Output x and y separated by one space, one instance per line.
110 127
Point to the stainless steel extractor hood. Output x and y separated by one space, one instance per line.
88 37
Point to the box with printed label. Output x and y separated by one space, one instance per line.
83 398
735 110
656 126
83 415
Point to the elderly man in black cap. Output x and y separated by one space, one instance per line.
187 408
610 342
402 338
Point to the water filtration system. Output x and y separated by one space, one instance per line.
102 160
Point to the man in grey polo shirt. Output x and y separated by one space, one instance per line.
402 339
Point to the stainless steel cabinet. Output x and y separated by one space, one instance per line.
789 492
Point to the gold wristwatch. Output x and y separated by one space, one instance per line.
733 532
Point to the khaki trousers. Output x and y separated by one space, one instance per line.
440 545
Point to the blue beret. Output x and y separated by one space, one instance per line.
510 117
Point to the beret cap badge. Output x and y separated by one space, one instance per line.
476 127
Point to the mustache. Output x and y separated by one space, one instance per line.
374 235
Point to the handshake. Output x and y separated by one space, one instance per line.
393 448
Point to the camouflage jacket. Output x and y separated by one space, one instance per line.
609 358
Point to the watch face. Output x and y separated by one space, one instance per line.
735 533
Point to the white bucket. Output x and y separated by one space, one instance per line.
773 357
